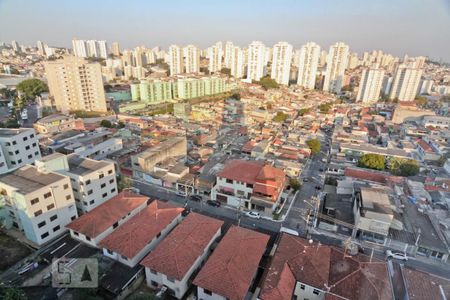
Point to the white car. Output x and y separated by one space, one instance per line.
396 255
252 214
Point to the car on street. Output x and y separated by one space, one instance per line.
213 203
253 214
196 198
396 255
305 179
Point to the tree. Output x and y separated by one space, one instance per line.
226 71
314 145
403 167
236 96
268 83
10 293
120 124
106 123
295 184
421 101
324 108
303 111
31 88
280 117
372 161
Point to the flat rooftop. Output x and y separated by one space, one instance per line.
28 179
80 166
8 132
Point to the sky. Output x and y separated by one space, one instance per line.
399 27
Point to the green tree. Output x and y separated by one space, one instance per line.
372 161
280 117
303 111
31 88
421 101
324 108
106 123
9 293
123 182
295 184
236 96
120 124
314 145
268 83
403 167
226 71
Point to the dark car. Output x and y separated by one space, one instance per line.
213 203
195 198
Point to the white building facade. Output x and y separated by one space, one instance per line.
281 62
256 58
336 65
370 84
308 63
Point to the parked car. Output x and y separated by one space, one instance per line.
196 198
161 293
213 203
305 179
253 214
396 255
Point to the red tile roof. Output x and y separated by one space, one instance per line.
422 285
106 214
176 254
232 266
130 238
241 170
424 145
371 175
322 266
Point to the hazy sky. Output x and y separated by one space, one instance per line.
414 27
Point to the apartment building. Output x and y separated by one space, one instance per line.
308 62
281 62
57 123
93 182
175 60
18 147
173 262
192 59
215 58
405 85
256 61
76 84
40 204
250 185
237 62
90 48
370 84
336 65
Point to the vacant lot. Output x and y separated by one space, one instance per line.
11 251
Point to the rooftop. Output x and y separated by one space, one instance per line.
230 270
29 179
81 166
130 238
176 254
7 132
106 214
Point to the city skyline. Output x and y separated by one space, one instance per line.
403 27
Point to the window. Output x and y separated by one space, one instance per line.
25 138
101 176
44 235
73 218
229 181
158 235
36 152
53 218
39 212
74 190
30 156
115 225
13 162
31 136
124 257
27 147
42 224
85 203
316 292
207 292
34 145
90 192
153 271
302 286
68 197
66 186
154 283
47 195
104 195
8 144
76 233
110 172
34 201
88 238
56 228
102 185
91 202
113 190
111 180
16 152
19 161
50 206
249 185
10 153
14 143
88 181
170 279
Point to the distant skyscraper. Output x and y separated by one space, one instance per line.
370 84
228 52
115 49
76 85
139 56
215 58
406 83
192 59
323 58
281 62
15 45
237 62
41 48
79 48
103 49
92 48
175 60
308 63
336 65
256 57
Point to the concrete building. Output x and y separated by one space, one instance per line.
215 58
173 262
281 62
79 48
237 62
175 60
94 226
40 204
426 86
15 45
336 65
76 85
406 83
228 54
41 48
92 48
242 250
57 123
133 240
93 181
115 49
18 147
370 84
309 56
192 59
103 49
256 58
